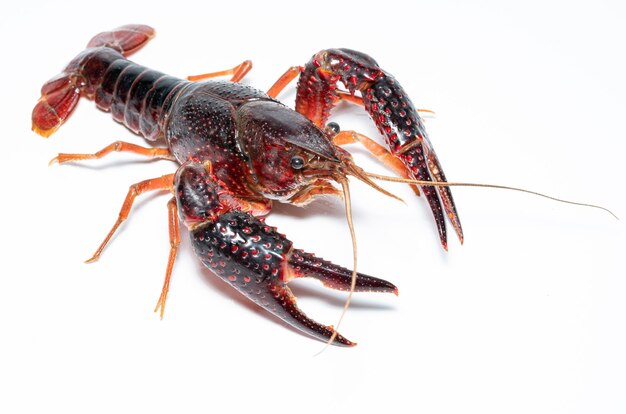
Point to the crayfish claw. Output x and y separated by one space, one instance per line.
393 113
258 261
290 313
445 193
303 264
253 258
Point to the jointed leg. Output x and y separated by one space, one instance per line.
117 146
378 151
172 211
238 73
320 187
284 80
162 183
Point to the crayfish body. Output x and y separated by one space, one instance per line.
239 150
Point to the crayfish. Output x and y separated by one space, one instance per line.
240 149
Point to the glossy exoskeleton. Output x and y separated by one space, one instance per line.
239 150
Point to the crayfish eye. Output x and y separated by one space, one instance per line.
297 162
333 127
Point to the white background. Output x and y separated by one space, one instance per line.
527 317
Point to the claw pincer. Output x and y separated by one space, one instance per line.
392 111
252 256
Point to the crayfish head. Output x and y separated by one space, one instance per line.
287 153
291 159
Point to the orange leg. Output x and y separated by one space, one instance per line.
284 80
348 97
320 187
238 72
377 150
118 146
172 215
162 183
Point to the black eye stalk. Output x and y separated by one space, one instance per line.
333 127
297 162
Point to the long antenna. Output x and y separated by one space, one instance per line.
502 187
348 207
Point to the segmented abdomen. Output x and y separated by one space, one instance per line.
137 97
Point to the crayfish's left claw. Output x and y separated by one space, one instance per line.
391 109
445 194
423 164
250 255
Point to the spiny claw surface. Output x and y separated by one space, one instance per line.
399 122
258 261
391 109
303 264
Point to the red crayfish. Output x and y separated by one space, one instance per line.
239 149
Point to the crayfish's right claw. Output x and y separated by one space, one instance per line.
253 257
303 264
423 164
389 105
258 261
290 313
